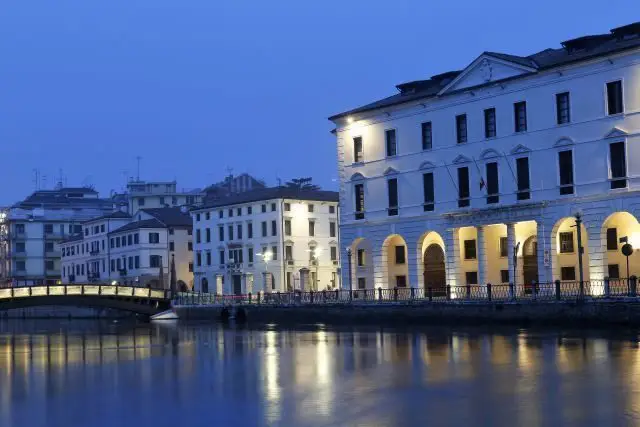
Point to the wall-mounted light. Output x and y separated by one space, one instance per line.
349 119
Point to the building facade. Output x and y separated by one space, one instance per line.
476 176
31 230
134 250
267 240
159 194
231 185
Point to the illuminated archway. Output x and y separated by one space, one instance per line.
617 226
564 251
361 273
432 262
395 261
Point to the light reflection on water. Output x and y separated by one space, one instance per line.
90 374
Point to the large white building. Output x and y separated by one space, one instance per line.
31 229
443 181
267 240
134 250
159 194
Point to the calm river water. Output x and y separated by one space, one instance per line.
80 373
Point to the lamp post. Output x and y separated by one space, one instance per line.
349 267
627 251
578 217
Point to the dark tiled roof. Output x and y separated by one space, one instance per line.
145 223
576 50
63 197
114 215
171 217
273 193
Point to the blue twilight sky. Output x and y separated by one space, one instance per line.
197 86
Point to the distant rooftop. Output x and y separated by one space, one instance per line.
64 197
575 50
271 194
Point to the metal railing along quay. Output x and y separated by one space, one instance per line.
610 290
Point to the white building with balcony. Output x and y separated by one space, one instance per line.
267 240
445 181
130 250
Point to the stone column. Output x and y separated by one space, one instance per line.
596 252
452 256
511 242
412 264
544 242
380 270
481 256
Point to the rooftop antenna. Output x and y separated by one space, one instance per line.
36 179
44 181
60 178
138 158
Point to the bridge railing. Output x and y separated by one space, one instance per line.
610 290
82 289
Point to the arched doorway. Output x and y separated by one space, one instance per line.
361 274
530 262
435 276
205 285
394 254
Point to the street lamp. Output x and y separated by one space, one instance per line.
627 251
578 217
349 267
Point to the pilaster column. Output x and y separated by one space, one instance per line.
452 256
596 245
380 270
543 239
412 264
481 256
511 242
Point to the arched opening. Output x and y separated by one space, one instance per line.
428 239
620 226
394 254
361 275
530 263
204 285
565 254
434 276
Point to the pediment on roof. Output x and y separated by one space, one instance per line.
616 132
488 68
489 153
427 165
519 149
461 159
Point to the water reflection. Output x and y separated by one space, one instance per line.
82 374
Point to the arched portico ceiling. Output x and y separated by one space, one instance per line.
564 141
616 132
357 177
427 165
520 149
390 171
461 159
489 153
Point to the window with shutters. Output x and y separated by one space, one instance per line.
490 123
359 196
563 114
520 116
392 196
470 249
493 187
357 150
612 239
618 165
566 242
391 142
565 164
522 169
463 187
461 128
615 103
429 193
427 136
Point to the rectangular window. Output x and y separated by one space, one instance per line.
221 214
332 209
400 258
615 104
136 261
427 136
274 251
312 228
198 258
390 142
136 239
522 171
197 217
333 253
563 114
461 128
359 195
239 230
520 116
172 246
130 262
287 227
207 233
208 257
221 233
249 254
504 247
287 207
614 271
264 208
470 249
568 273
362 283
197 236
190 246
264 228
361 258
154 237
274 228
428 190
566 242
392 195
471 277
332 229
493 186
565 164
490 123
117 243
401 281
310 207
288 252
463 187
618 164
250 230
221 257
504 276
249 210
190 267
207 216
113 265
239 212
612 239
230 232
230 213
